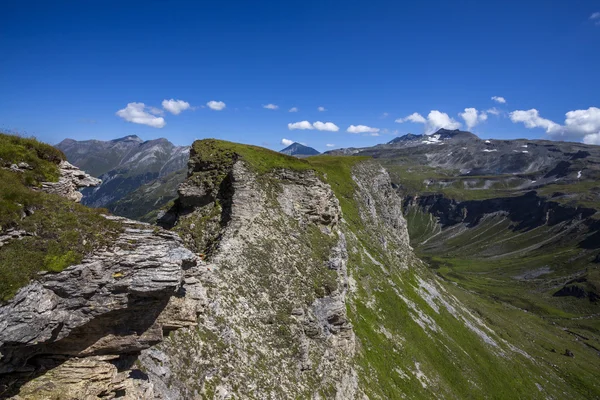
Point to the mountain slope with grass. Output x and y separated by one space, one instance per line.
40 231
325 277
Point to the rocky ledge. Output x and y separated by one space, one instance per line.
77 333
70 181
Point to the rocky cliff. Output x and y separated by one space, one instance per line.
76 333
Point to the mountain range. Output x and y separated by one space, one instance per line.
128 166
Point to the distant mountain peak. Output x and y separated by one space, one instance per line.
299 150
128 138
439 135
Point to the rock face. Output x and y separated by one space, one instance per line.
92 318
276 323
70 181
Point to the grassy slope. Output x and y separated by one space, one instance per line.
486 265
60 231
406 347
454 360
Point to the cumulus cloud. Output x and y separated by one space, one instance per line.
216 105
531 118
286 142
472 117
414 117
326 126
330 145
138 113
271 106
321 108
437 120
493 111
175 106
293 109
361 129
320 126
579 124
300 125
499 99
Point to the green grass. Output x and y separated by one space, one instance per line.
42 157
213 152
585 193
60 232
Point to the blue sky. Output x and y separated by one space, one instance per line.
68 68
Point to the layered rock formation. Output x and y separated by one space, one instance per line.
71 180
98 314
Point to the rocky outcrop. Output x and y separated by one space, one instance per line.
12 234
87 323
70 181
276 276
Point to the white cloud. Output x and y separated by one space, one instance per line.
414 117
300 125
593 138
595 17
472 117
216 105
286 142
372 134
326 126
321 126
271 106
583 121
493 111
361 129
437 120
293 109
531 119
579 124
321 108
138 114
175 106
330 145
499 99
